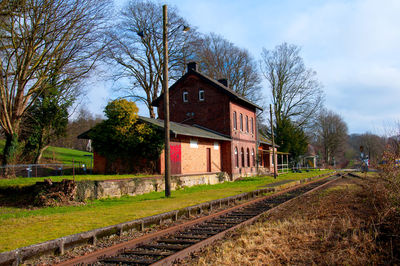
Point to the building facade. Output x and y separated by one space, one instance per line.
213 129
198 100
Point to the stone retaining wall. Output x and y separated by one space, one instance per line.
137 186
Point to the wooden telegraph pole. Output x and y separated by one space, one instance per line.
166 105
273 142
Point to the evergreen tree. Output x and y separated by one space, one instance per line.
290 139
46 121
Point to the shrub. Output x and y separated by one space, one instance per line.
128 144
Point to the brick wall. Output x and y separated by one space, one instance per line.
243 140
99 163
194 160
216 113
212 113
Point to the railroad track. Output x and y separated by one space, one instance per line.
166 246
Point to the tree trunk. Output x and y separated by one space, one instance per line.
10 153
39 153
151 111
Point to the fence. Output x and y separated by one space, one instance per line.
283 168
43 170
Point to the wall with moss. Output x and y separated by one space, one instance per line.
137 186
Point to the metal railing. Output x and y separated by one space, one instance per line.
43 170
283 168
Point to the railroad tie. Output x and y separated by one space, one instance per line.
127 260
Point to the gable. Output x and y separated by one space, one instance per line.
195 91
233 96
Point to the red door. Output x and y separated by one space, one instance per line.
208 160
175 158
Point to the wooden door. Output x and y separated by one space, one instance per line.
208 159
176 158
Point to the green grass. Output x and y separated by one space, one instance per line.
67 156
61 155
22 227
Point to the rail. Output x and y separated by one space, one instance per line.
166 246
60 245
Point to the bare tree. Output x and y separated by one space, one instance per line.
331 134
219 58
296 93
39 37
136 49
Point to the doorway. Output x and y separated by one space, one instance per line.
208 159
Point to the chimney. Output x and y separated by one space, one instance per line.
192 66
224 82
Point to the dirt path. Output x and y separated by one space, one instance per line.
335 226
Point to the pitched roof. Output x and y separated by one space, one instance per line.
177 128
186 130
231 93
84 135
264 140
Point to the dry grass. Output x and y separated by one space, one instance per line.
336 226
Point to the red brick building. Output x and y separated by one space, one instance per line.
201 101
194 150
213 129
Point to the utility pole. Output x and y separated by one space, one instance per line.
273 141
166 105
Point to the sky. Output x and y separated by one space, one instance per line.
354 46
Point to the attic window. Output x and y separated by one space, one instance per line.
185 96
216 145
193 143
201 95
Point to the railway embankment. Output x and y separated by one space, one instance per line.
210 197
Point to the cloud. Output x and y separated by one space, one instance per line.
353 46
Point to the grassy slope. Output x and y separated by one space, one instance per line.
22 227
67 156
61 155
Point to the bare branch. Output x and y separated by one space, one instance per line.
296 93
39 37
220 58
140 59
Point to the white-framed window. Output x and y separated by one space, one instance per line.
252 125
185 96
241 122
193 143
216 145
201 95
247 124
